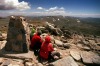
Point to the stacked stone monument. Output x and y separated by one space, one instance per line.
18 35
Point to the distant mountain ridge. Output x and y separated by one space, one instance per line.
75 24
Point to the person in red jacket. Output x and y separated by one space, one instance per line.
46 48
36 42
47 51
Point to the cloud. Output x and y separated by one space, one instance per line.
62 8
40 8
13 4
56 9
53 8
53 11
45 13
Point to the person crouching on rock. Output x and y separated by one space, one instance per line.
36 43
47 51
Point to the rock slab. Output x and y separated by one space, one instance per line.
67 61
86 57
90 57
75 54
58 43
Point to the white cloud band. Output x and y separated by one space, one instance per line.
13 4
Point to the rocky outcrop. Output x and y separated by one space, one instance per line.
53 29
74 49
18 35
90 57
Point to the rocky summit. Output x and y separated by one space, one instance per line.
76 49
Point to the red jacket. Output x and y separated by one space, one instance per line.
46 47
36 42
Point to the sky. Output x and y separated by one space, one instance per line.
77 8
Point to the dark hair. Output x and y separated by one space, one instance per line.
39 33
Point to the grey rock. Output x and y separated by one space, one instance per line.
66 45
79 45
85 42
39 64
1 38
67 61
96 58
6 62
75 54
29 64
4 35
86 57
13 65
2 44
29 55
64 40
1 60
18 61
58 43
92 41
90 57
97 40
97 48
86 48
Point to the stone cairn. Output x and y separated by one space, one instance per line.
18 35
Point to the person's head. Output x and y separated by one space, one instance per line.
47 39
39 33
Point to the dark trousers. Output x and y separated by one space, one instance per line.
36 49
52 54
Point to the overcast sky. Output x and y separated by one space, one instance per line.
80 8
